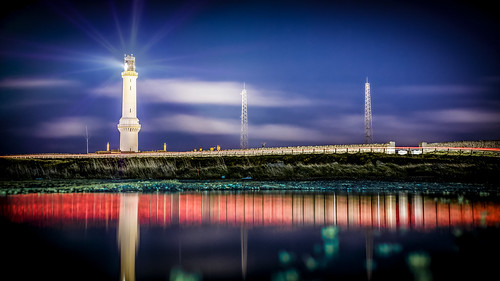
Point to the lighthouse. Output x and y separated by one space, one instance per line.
129 126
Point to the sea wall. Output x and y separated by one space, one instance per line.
372 166
388 148
476 144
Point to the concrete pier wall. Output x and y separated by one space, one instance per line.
476 144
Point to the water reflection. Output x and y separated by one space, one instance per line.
387 211
183 223
128 235
244 250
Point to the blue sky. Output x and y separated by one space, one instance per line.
433 68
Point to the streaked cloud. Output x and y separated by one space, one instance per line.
195 124
68 127
446 89
188 91
36 82
286 133
460 115
218 126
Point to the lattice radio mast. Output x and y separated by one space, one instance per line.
244 119
368 114
87 137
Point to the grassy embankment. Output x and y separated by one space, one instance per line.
362 166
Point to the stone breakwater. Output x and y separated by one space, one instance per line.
360 166
475 144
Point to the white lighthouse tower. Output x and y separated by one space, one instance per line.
129 126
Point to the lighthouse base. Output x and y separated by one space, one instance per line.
129 136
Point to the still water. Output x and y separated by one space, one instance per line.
252 235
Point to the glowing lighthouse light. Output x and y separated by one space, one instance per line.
129 126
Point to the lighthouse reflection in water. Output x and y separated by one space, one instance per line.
270 235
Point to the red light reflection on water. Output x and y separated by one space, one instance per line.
390 211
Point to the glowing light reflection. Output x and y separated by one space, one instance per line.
396 211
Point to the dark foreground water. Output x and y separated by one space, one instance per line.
432 232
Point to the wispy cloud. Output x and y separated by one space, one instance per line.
186 91
446 89
36 82
218 126
194 124
286 132
68 127
439 125
460 115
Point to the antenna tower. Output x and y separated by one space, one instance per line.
368 114
244 119
87 138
